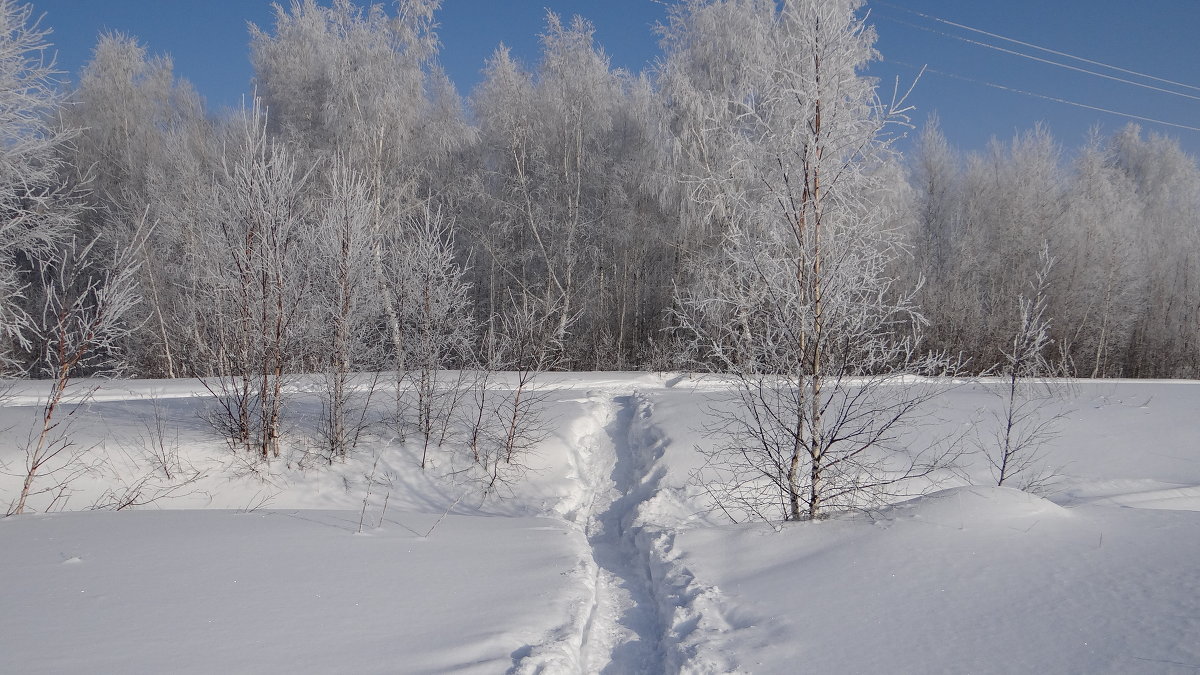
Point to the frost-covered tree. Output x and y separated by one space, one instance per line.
436 320
1023 424
127 107
791 160
1166 341
34 220
345 308
1116 220
1100 278
83 319
363 85
565 210
942 264
1015 203
257 284
349 80
126 101
180 207
545 136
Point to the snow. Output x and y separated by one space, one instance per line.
606 558
969 580
277 591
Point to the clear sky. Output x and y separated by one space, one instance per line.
209 43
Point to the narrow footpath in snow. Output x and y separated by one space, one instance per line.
624 632
638 609
620 630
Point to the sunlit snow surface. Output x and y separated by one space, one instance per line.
604 558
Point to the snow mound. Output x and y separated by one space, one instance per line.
975 504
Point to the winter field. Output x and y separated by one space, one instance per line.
604 557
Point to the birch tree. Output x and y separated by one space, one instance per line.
127 107
436 319
362 84
82 320
258 285
34 220
943 263
346 308
797 304
1101 277
1166 342
1024 426
547 184
1016 201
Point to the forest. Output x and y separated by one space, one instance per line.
556 375
361 213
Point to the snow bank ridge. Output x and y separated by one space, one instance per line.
975 504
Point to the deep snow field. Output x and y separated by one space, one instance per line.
604 558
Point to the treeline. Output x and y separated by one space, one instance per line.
1120 219
362 216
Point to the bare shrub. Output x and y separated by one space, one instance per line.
1024 424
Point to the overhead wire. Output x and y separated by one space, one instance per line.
1056 99
1042 60
1034 46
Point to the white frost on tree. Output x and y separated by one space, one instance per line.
33 222
257 284
789 153
1024 425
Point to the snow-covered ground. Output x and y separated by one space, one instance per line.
605 557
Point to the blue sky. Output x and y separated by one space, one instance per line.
1155 37
208 41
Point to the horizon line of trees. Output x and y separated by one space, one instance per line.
361 215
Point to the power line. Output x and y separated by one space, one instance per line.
1047 61
1055 99
1038 47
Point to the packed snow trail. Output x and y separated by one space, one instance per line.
625 633
620 630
